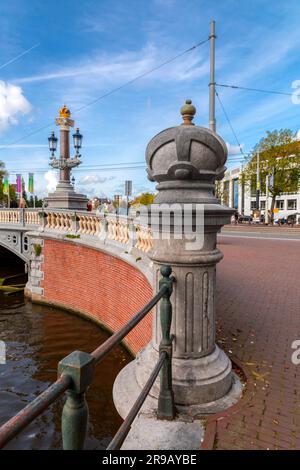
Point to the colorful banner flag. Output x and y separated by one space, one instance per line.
19 184
5 185
30 183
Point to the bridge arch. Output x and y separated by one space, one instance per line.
15 251
93 281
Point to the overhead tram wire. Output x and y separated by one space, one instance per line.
105 166
230 125
259 90
114 90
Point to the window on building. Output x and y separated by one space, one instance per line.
226 193
235 194
292 204
253 205
262 205
279 205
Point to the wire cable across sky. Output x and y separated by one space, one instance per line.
259 90
230 125
114 90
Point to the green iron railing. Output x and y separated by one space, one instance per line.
76 372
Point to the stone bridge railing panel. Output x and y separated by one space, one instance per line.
108 227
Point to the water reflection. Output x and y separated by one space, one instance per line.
37 337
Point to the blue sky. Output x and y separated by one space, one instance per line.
81 50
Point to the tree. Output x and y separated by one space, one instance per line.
143 199
279 156
2 171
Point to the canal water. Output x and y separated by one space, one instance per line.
36 338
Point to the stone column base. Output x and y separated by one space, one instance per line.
67 200
209 385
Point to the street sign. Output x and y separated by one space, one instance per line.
128 188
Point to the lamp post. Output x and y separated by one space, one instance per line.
64 196
65 163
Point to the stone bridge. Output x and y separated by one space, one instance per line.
94 265
107 267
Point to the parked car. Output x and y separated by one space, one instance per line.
245 219
293 219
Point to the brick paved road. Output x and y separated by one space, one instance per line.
258 319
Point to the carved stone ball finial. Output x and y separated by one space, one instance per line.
188 112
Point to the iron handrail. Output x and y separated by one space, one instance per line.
117 337
76 372
124 429
19 422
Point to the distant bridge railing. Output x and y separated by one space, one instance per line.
76 372
115 227
21 217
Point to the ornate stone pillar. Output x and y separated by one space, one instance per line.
185 161
64 196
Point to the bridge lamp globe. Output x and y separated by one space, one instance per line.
77 139
52 140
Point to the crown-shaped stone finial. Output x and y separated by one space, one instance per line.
188 112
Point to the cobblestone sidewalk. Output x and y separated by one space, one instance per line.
258 318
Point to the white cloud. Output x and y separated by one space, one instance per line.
234 149
107 69
93 179
12 103
52 180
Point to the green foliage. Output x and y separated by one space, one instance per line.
37 249
36 202
143 199
279 155
69 235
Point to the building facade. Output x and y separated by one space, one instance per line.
240 197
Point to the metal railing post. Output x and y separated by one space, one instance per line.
166 406
79 366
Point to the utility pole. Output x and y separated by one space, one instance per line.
267 201
212 83
243 192
257 181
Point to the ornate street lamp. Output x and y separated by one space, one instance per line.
52 140
77 139
65 163
64 196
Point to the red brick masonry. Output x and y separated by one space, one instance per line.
100 285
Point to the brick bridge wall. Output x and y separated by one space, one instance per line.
100 286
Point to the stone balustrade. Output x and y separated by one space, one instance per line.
10 216
31 217
117 228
